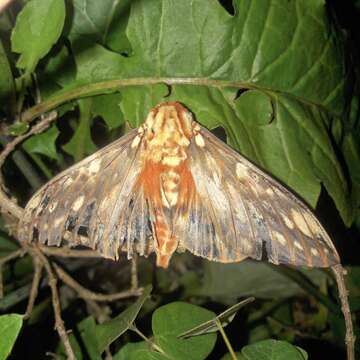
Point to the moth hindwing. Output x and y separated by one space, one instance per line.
172 185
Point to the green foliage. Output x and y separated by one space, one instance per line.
270 350
37 29
7 86
106 333
10 326
43 143
275 75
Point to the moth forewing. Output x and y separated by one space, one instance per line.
79 203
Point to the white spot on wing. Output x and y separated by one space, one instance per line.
78 203
53 206
241 171
280 238
298 245
314 226
314 252
300 222
58 221
68 182
135 143
35 202
94 165
199 140
287 221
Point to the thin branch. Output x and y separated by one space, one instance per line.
87 294
38 267
339 273
59 323
13 255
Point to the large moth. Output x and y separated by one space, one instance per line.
171 185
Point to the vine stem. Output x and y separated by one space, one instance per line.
152 344
226 340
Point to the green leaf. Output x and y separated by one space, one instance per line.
294 72
225 318
172 320
137 101
81 143
7 86
273 350
108 332
43 143
87 330
130 350
229 356
248 278
10 326
103 22
58 71
147 355
37 28
108 107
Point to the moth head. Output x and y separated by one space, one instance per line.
168 119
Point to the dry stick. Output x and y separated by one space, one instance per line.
59 323
339 273
13 255
38 267
87 294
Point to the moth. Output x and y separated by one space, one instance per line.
171 185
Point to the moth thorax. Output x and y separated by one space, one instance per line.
168 133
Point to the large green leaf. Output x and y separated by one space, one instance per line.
10 326
172 320
248 278
43 143
295 69
107 106
101 21
38 27
273 350
81 143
